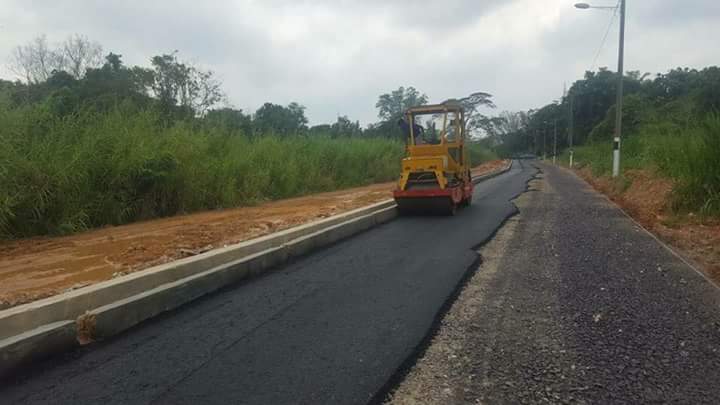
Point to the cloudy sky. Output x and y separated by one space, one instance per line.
337 56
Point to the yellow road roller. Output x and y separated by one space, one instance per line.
435 177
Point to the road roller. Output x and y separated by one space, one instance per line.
435 173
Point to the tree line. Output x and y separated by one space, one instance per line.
585 114
74 76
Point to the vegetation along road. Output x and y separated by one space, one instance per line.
569 301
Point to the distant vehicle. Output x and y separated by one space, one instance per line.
435 175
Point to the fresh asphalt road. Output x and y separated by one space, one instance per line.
332 327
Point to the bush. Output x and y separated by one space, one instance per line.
687 154
692 158
479 153
62 174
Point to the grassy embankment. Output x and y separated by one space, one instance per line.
688 155
480 154
63 175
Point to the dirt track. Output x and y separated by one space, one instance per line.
35 268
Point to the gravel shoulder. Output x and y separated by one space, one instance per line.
573 303
646 195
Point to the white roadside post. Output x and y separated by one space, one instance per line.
555 141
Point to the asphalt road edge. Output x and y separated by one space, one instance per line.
42 328
387 390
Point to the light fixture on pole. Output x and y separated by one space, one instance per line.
618 103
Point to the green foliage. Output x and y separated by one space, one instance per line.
688 155
391 106
473 118
279 120
480 153
63 174
180 84
228 120
670 123
691 158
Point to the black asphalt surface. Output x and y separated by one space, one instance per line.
586 307
332 327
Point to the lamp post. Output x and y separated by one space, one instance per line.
618 103
570 130
554 140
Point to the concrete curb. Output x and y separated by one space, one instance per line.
34 330
490 175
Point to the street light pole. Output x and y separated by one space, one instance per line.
618 103
570 134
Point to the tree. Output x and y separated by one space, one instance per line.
35 61
276 119
230 120
513 121
180 84
78 54
344 127
391 106
471 104
105 87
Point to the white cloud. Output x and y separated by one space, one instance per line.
336 57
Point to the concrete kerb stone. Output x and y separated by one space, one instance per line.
46 326
490 175
18 350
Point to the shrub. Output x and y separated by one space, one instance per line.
61 174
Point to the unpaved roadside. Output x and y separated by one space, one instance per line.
645 195
35 268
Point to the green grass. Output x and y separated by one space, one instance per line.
63 175
480 154
689 155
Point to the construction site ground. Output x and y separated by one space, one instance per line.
36 268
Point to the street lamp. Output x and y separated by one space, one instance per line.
618 103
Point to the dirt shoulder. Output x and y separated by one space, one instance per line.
36 268
645 196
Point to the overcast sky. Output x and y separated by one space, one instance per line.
336 56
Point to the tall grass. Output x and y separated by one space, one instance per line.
480 153
693 159
62 175
689 155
